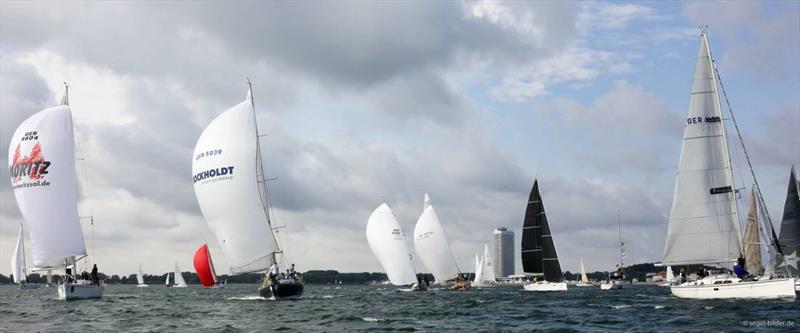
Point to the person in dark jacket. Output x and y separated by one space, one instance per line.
95 279
739 269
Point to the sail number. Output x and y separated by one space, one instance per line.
208 153
30 136
700 120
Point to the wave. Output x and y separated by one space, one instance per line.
373 319
247 298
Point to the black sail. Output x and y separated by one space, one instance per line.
790 225
538 250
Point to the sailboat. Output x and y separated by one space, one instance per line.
204 267
703 222
388 244
539 256
669 278
41 160
488 267
790 228
478 280
178 277
615 279
231 190
432 247
140 278
18 268
584 282
166 283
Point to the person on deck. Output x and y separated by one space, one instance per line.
739 269
291 272
273 272
683 276
68 273
95 279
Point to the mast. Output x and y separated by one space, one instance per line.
619 231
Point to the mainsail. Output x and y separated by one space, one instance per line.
388 243
751 240
431 244
703 222
204 266
41 161
18 259
790 224
584 278
179 281
538 250
228 183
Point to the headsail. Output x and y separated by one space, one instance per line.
179 281
229 187
488 267
431 244
41 161
584 278
703 223
204 266
18 259
478 271
790 224
388 243
751 240
539 255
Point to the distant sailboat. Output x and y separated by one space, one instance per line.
179 281
41 160
431 244
231 190
615 279
790 227
539 256
584 282
488 267
478 280
18 268
140 278
388 244
204 267
704 223
166 283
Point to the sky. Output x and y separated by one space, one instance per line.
366 102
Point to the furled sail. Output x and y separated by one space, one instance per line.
751 240
584 278
431 244
703 222
790 224
228 185
204 266
179 281
388 243
488 267
539 255
18 259
41 160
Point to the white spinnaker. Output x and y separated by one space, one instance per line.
584 278
179 281
388 243
140 276
226 172
703 223
488 266
431 245
478 271
18 259
48 200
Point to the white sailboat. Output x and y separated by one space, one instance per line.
140 278
388 244
42 169
704 220
166 283
179 281
478 280
230 187
431 244
584 281
488 267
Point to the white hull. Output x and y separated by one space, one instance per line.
179 286
731 287
581 284
79 290
545 286
611 286
142 285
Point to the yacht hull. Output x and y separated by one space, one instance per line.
728 287
283 289
545 286
79 290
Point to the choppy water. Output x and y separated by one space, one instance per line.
369 308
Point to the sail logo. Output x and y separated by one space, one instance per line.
32 166
425 235
397 233
213 173
700 120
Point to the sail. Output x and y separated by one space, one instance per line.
478 271
539 255
41 161
431 244
179 277
166 283
584 278
140 276
226 174
204 266
751 240
670 276
18 259
488 267
388 243
790 224
703 222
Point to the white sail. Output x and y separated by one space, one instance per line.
431 244
670 276
166 283
41 160
227 178
179 282
488 267
388 243
703 223
18 259
478 271
140 276
584 278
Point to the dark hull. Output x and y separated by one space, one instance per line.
282 289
